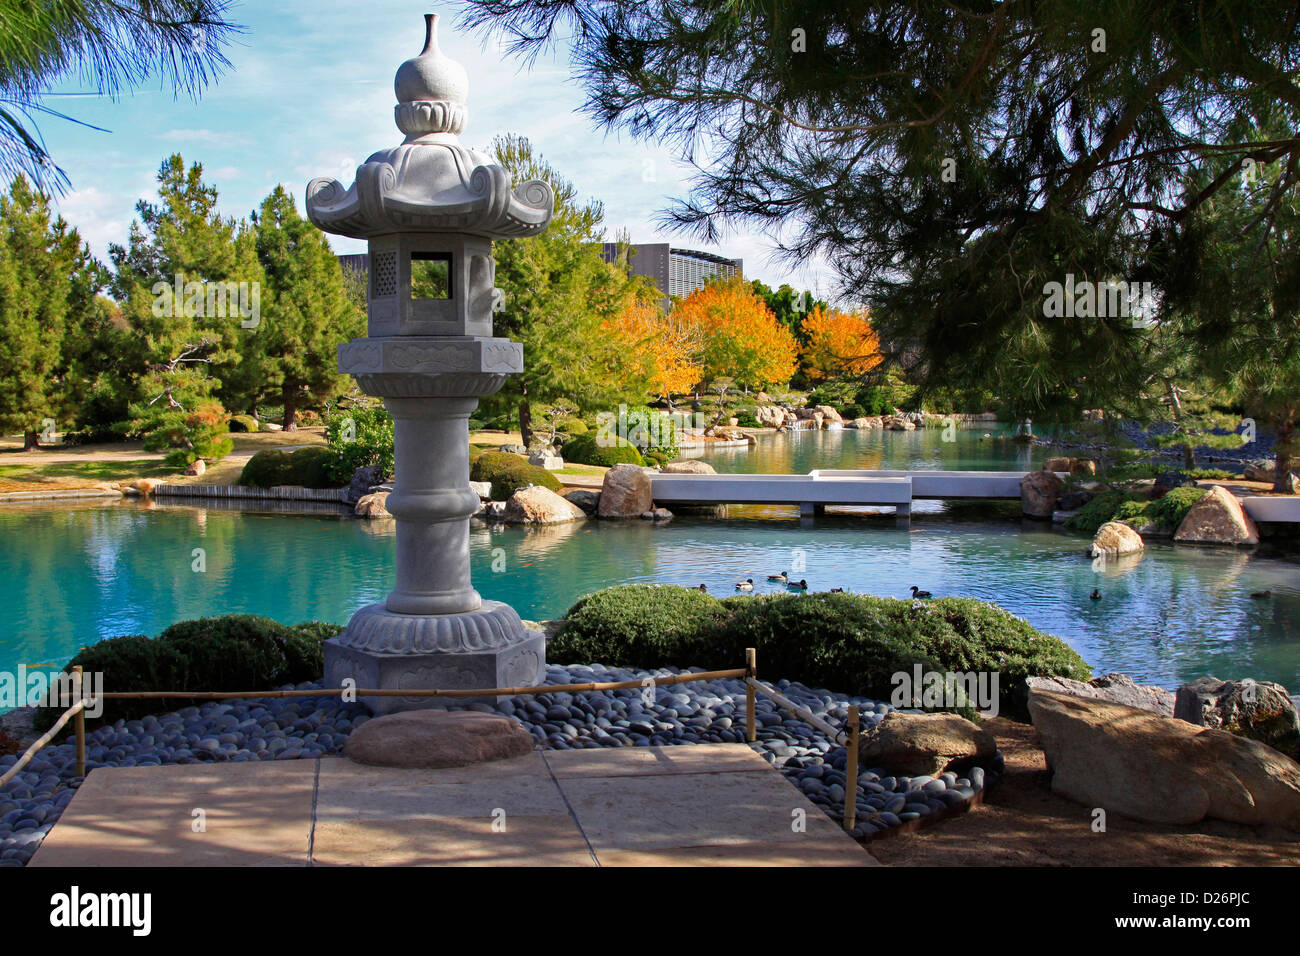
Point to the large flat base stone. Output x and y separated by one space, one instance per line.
434 739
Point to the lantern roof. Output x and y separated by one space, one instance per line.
430 183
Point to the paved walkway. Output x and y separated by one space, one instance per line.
699 805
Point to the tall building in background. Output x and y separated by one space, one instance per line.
676 272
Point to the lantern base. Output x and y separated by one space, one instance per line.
485 648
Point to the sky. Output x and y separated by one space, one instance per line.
310 93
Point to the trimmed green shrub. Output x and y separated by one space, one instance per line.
746 420
508 473
1098 511
1168 512
308 467
584 450
232 652
266 469
573 427
1135 510
641 625
243 423
850 643
851 411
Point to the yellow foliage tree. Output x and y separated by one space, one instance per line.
840 344
661 349
739 337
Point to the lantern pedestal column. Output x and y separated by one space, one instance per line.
433 630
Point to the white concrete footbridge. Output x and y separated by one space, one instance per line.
817 489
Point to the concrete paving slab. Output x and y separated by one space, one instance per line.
685 758
253 814
809 851
451 841
679 810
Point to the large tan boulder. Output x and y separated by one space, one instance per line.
626 492
1073 466
197 467
373 506
1115 688
913 744
437 738
1115 538
897 423
146 486
770 416
1161 770
688 466
1217 518
538 505
1261 469
1038 493
829 413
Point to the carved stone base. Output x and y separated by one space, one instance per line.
488 647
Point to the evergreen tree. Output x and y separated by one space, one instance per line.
293 353
190 287
48 287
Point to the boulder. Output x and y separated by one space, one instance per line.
688 466
373 506
585 499
805 413
431 739
914 744
770 416
1072 466
1260 710
1167 481
1039 491
146 486
270 427
1114 688
538 505
625 492
829 413
1160 770
1261 469
494 511
1074 500
550 462
1217 519
482 488
363 479
1115 538
197 467
1057 464
897 423
513 449
657 514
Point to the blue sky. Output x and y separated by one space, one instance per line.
311 94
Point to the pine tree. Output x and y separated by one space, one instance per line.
48 287
293 353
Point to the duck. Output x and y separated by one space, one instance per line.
798 585
782 577
746 585
836 590
1261 594
703 587
917 593
1095 595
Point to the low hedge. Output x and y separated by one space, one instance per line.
243 423
584 450
851 643
228 653
308 467
508 473
1135 510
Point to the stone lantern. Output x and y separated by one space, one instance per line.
429 209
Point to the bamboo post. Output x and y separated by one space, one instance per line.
751 671
851 771
80 724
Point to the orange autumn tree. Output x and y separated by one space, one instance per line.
840 344
661 350
740 337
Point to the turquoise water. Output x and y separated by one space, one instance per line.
800 452
77 574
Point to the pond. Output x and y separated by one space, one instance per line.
78 574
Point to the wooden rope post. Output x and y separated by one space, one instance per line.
851 771
751 671
79 724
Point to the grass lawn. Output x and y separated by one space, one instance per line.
75 474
